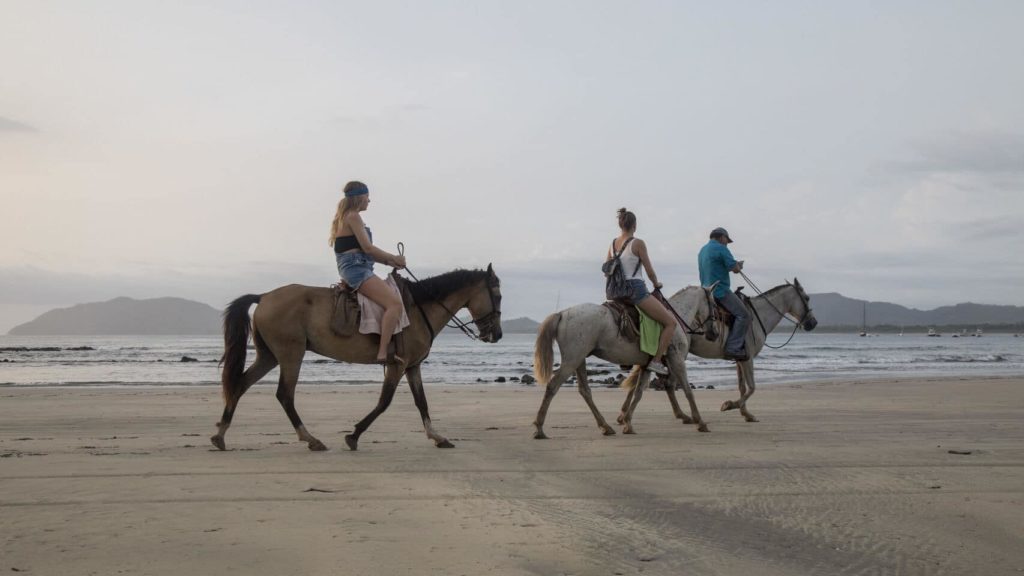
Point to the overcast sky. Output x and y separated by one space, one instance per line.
198 149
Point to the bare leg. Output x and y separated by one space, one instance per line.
584 389
375 289
415 380
655 309
678 369
391 377
264 363
559 377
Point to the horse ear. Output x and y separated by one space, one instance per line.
490 270
796 281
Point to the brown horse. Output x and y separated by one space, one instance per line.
293 319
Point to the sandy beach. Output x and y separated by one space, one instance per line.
837 478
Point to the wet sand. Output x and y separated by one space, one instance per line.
837 478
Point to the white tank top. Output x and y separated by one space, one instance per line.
630 261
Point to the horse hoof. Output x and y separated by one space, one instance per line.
703 427
539 436
628 430
752 419
621 419
316 445
444 444
686 419
609 431
727 405
352 442
218 441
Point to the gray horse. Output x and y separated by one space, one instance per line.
769 309
592 330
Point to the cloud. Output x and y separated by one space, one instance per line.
992 153
8 125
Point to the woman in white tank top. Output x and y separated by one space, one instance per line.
635 261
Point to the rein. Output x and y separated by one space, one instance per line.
686 327
463 326
796 324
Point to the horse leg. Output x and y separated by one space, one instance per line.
625 405
584 390
559 377
264 363
677 366
415 379
741 383
638 393
747 370
670 390
286 396
392 375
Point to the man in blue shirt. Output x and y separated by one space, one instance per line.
715 262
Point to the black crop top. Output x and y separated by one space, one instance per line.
346 243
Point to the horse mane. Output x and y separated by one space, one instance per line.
438 287
770 291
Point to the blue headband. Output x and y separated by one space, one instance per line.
357 190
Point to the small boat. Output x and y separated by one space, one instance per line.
932 333
977 333
956 335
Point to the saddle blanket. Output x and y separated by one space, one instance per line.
371 312
650 333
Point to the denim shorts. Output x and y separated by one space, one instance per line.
637 291
355 268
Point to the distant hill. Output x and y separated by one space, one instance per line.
522 325
834 309
180 316
126 316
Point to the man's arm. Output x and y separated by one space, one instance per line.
731 264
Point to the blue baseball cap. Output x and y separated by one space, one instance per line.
721 232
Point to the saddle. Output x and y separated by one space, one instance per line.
723 313
347 314
628 319
345 319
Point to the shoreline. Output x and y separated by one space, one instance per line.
810 380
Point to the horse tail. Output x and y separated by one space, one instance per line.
543 353
634 376
237 328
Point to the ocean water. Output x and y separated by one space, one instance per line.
156 360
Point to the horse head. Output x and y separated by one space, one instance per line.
485 306
800 307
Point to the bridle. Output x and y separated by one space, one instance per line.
485 323
805 300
